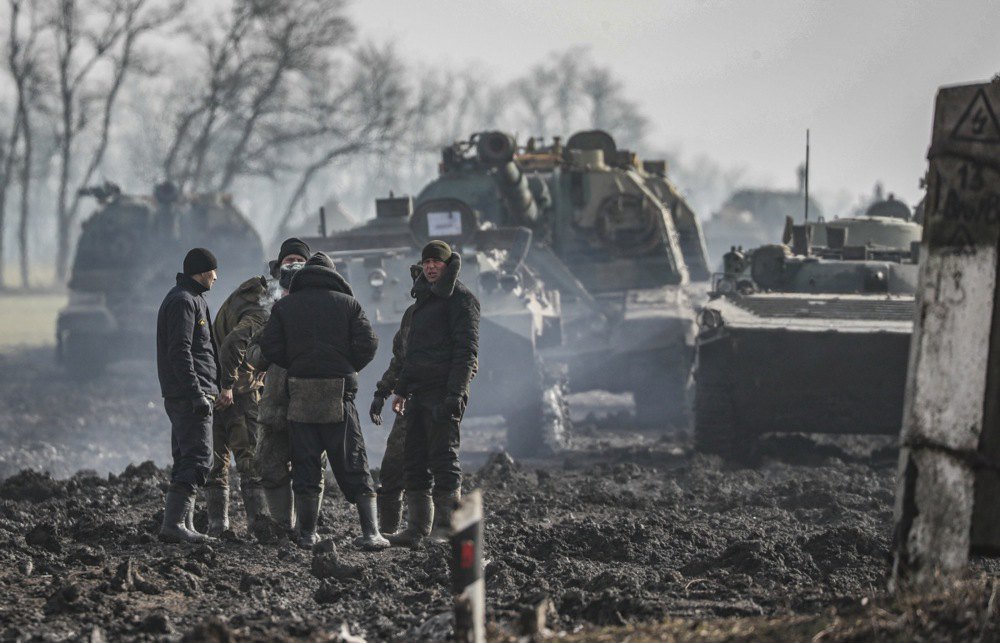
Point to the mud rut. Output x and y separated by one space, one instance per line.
628 528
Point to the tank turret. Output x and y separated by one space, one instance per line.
615 239
126 258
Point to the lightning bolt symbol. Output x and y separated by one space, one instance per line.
979 121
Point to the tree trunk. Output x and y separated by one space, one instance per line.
22 228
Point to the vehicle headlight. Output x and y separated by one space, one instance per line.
376 278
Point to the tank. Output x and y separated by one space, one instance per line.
614 237
126 259
520 317
808 338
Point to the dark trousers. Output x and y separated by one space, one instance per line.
190 443
235 429
432 441
344 446
391 477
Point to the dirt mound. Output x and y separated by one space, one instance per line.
626 530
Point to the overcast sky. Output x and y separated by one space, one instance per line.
738 81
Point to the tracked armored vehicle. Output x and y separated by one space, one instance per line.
809 338
519 316
617 241
128 253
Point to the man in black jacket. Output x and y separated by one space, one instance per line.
320 334
188 368
442 349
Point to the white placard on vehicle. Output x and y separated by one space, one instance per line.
444 224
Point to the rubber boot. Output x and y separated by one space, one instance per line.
253 503
307 508
280 506
419 513
175 511
390 511
444 506
217 499
370 539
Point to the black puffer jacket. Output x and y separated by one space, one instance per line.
319 330
442 346
186 355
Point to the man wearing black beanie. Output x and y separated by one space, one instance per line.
188 369
320 334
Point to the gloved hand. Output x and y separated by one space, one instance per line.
201 406
375 412
454 406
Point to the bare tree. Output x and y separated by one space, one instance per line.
261 68
367 115
22 64
95 50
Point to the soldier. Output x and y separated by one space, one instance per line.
235 426
188 369
440 357
390 487
391 472
320 334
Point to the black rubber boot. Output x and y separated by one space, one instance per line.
419 512
217 500
370 539
445 503
175 512
390 511
279 505
253 503
307 508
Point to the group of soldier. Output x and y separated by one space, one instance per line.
273 382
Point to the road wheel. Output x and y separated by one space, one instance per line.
543 426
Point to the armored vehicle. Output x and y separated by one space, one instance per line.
613 236
128 253
519 316
808 338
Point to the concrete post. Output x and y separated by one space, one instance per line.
467 569
945 421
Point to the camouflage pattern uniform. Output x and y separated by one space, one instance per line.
390 488
234 429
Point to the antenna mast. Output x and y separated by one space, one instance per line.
806 182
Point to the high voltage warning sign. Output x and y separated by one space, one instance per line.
978 123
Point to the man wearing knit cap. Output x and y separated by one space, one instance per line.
188 369
431 390
235 426
320 334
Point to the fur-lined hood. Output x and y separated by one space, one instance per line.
445 286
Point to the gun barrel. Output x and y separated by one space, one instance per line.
517 193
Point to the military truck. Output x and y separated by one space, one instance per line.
809 338
127 256
520 317
613 236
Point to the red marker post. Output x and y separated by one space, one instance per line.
467 569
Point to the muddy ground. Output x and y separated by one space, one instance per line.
630 531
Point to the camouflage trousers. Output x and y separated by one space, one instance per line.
273 456
390 477
234 430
